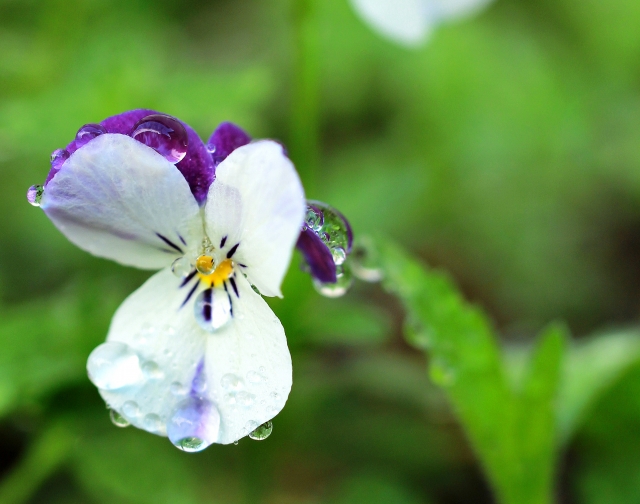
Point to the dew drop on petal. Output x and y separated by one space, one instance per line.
34 194
181 267
254 377
205 264
339 255
164 134
262 432
194 425
340 287
58 157
212 309
245 398
152 371
178 388
131 410
87 133
114 365
152 423
117 419
231 382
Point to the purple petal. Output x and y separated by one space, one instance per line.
225 139
197 167
318 256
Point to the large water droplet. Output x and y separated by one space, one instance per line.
262 432
330 225
114 365
181 267
212 309
117 419
194 425
164 134
34 194
87 133
340 287
58 157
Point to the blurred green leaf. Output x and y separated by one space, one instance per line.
374 489
511 430
592 367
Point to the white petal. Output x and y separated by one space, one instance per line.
453 9
248 366
404 21
115 196
257 203
168 345
241 373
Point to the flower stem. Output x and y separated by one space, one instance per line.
41 459
304 134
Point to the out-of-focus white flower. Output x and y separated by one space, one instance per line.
410 22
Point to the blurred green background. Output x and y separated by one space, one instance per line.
506 151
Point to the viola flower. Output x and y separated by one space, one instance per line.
194 354
410 22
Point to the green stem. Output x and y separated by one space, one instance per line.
304 135
42 458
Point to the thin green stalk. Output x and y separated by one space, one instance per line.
304 135
42 458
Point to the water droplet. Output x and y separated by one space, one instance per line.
199 383
314 218
339 255
178 388
340 287
254 377
152 423
245 398
194 425
58 157
230 398
87 133
212 309
365 261
181 267
231 382
130 409
262 432
205 264
114 365
191 444
164 134
34 194
152 371
117 419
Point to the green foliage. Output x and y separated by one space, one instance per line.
512 428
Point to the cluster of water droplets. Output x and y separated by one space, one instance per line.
333 229
163 133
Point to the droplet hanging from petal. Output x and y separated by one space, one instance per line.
117 419
87 133
194 425
164 134
262 432
344 280
34 194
